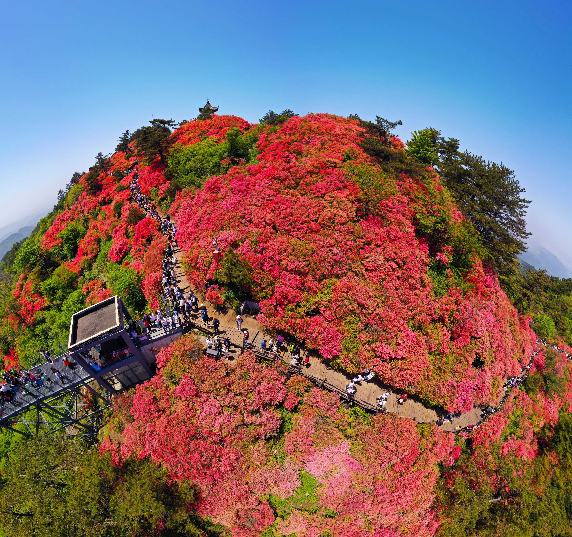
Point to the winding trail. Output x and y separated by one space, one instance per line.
317 371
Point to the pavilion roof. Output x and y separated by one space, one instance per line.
97 320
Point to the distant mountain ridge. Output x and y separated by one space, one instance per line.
543 259
16 227
8 242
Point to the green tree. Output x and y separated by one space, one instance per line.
377 143
155 140
487 193
238 146
382 129
92 178
58 287
123 144
422 146
71 237
60 488
193 164
272 118
126 283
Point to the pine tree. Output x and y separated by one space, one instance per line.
123 144
488 194
155 141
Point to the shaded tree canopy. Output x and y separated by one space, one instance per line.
155 140
123 144
381 130
272 118
60 488
487 193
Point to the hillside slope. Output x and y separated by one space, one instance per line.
371 267
367 263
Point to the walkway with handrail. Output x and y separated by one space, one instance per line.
367 393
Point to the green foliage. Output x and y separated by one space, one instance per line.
57 320
238 146
61 488
126 283
59 286
305 498
193 164
28 255
547 299
381 130
272 118
544 326
10 256
550 379
74 194
155 141
70 236
489 195
539 503
375 185
236 275
422 146
123 144
71 191
117 208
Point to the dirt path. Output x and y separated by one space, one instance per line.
366 391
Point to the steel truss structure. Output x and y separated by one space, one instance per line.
78 411
73 397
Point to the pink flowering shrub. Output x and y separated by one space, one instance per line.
509 453
341 254
218 425
350 268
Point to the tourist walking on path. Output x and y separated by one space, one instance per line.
238 321
246 335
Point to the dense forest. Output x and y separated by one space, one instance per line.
372 254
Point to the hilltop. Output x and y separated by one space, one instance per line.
362 251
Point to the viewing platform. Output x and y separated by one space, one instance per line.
106 355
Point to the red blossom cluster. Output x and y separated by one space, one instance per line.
28 301
215 129
11 361
211 422
351 278
95 291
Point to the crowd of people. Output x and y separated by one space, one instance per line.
182 307
33 380
178 307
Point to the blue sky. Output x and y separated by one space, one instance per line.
496 75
